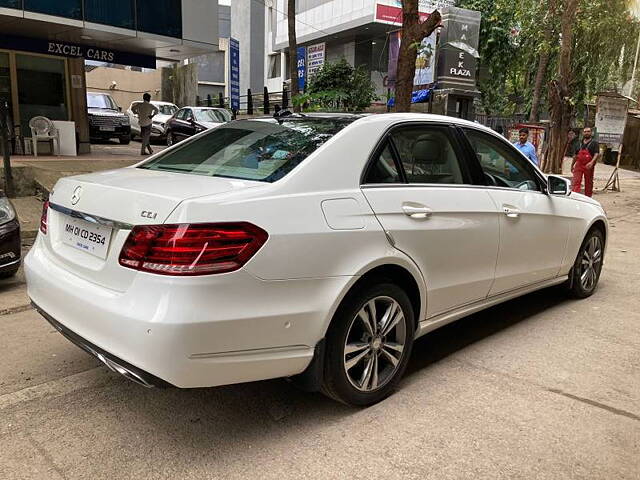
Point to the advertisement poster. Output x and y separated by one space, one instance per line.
234 73
315 58
425 61
611 119
302 68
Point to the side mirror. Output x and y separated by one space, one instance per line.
119 109
558 186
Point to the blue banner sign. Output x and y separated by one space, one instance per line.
302 68
234 73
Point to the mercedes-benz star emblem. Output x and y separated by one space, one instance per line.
77 192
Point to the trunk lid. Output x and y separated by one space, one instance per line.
102 208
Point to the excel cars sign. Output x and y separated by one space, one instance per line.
74 50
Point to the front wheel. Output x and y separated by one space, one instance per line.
125 140
585 273
170 139
368 344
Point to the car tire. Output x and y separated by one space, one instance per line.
125 140
9 273
378 356
585 273
170 139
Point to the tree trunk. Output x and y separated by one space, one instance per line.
293 49
560 92
412 32
543 63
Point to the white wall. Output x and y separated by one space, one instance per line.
317 18
200 21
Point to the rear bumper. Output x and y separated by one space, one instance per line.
9 246
189 332
111 361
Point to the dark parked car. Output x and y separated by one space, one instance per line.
9 238
191 120
106 119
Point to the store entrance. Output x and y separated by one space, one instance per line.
41 89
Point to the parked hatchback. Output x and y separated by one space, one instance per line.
191 120
159 122
9 238
314 247
106 119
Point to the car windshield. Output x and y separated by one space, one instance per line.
167 109
209 116
261 150
100 101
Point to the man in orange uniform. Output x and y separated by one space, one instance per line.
584 161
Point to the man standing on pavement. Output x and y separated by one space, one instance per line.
526 147
584 161
145 112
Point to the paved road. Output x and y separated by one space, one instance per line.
541 387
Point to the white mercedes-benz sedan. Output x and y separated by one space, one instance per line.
315 247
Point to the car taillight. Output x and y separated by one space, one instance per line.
43 218
191 249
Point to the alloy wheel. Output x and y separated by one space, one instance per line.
375 344
590 263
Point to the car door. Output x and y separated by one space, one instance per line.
422 192
534 227
133 119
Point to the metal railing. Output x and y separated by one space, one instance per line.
250 104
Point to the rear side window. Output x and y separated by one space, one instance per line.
427 155
383 169
262 150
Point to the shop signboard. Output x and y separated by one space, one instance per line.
611 119
315 58
390 11
234 73
302 68
73 50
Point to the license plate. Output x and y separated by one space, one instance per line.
107 129
86 236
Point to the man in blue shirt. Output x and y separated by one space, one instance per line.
526 147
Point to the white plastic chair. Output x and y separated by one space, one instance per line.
43 129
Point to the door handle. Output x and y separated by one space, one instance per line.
416 210
511 212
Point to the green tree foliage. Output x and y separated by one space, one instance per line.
512 38
338 86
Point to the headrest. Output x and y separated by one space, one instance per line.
428 150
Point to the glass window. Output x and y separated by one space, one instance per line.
41 89
383 169
180 114
274 66
61 8
162 17
167 109
503 166
119 13
5 85
427 155
11 4
99 100
262 150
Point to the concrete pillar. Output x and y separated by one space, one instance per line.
78 103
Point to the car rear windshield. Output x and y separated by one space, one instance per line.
261 150
167 109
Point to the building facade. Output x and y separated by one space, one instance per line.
356 30
44 45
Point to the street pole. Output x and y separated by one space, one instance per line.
4 144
